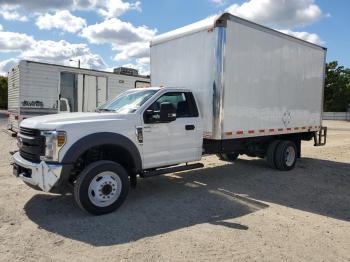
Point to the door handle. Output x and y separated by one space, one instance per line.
190 127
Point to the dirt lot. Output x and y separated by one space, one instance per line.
229 212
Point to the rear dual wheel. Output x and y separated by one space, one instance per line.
282 154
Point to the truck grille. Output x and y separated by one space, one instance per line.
29 132
31 144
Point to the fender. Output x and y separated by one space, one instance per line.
104 138
97 139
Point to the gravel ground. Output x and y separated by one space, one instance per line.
227 212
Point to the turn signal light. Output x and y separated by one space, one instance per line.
61 139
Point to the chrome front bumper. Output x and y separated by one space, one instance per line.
43 175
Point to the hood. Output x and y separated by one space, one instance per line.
56 121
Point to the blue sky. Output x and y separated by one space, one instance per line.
105 34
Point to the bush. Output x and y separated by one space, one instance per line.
3 92
337 88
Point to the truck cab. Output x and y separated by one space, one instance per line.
99 154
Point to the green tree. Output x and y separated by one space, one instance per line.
337 88
3 92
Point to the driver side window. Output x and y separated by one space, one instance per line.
183 103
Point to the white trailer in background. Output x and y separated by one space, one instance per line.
36 88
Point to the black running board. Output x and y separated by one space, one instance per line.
169 170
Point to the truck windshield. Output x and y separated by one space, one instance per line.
127 102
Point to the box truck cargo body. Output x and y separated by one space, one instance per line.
249 80
38 88
223 86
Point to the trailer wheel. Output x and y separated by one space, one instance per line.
270 155
230 157
101 188
286 155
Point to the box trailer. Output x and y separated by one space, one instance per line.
224 86
250 80
36 88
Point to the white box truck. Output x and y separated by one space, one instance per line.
226 86
36 88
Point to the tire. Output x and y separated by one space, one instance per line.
270 155
230 157
101 187
286 155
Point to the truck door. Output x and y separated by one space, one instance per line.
80 92
90 93
67 93
101 90
174 142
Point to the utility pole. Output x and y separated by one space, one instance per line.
72 60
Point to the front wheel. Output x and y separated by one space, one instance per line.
101 188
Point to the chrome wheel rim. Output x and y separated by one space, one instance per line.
289 156
105 189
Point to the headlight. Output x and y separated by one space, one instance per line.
54 141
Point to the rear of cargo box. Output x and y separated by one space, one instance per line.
33 91
38 88
273 83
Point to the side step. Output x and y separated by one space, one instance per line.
168 170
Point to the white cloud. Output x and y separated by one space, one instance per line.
278 13
310 37
49 51
1 28
133 50
107 8
144 60
37 5
117 32
61 52
282 14
129 41
6 65
85 4
219 2
115 8
11 41
142 67
63 20
12 15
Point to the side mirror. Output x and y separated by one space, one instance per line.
167 112
149 116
